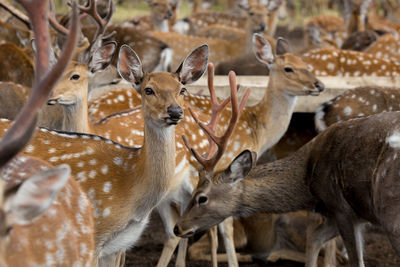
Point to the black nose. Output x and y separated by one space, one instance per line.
170 14
262 27
175 113
320 86
176 230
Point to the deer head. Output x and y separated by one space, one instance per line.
209 205
156 86
290 72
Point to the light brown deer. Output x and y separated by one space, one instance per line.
348 194
27 189
336 62
110 173
163 13
357 102
386 47
220 49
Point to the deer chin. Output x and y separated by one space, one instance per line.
314 92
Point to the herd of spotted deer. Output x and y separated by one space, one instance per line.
79 190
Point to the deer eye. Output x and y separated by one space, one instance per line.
75 77
148 91
183 91
155 4
251 13
288 69
201 200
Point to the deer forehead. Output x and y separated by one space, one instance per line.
163 82
293 61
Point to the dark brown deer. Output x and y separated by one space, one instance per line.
335 175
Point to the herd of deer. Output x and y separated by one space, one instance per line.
79 190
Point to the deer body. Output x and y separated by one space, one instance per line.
348 193
64 233
357 102
336 62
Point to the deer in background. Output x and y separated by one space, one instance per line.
29 187
163 14
99 164
220 50
357 102
347 194
336 62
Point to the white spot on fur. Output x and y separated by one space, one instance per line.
107 187
394 140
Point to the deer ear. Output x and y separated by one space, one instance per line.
240 167
37 194
262 49
102 57
129 66
282 46
194 65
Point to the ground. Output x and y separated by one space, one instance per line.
377 253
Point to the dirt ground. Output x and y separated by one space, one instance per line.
377 252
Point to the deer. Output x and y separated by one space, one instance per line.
357 102
386 47
163 14
306 181
105 169
32 191
336 62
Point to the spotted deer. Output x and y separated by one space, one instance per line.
346 197
220 49
336 62
163 13
45 217
386 47
357 102
105 170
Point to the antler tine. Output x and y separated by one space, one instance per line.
53 21
16 13
209 162
19 134
91 10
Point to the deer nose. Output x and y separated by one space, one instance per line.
176 230
262 27
175 113
169 13
320 86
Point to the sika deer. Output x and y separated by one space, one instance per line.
349 193
357 102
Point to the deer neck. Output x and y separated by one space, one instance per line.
248 48
272 115
158 161
277 187
76 118
160 25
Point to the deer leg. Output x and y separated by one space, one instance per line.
226 229
168 216
352 238
181 258
116 259
317 234
330 253
213 237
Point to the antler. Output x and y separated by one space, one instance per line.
19 134
16 13
211 158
